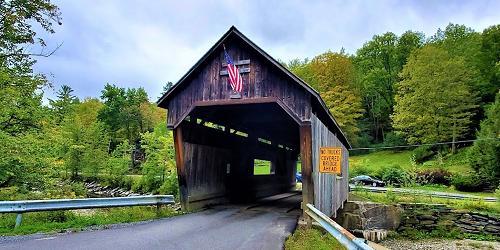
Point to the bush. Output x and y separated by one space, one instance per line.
393 139
359 170
470 183
394 175
434 176
423 153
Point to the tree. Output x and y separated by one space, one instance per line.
378 64
332 75
122 114
16 24
20 100
485 153
64 104
434 101
159 169
490 47
167 87
87 143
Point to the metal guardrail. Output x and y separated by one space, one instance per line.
350 241
435 194
21 207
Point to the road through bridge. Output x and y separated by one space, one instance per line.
261 225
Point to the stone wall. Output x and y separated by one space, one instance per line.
428 217
363 217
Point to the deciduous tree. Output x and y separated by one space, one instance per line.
434 100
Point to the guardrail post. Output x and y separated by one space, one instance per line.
19 218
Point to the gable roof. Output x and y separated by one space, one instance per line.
162 102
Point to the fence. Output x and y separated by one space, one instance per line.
21 207
343 236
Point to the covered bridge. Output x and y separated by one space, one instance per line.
277 121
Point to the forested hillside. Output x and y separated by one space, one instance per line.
412 89
398 89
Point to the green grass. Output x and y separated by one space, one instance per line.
378 160
262 167
57 221
311 239
375 161
451 189
492 208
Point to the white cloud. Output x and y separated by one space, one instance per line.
147 43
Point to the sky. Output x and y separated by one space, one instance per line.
149 43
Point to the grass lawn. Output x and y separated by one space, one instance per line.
372 162
451 189
56 221
393 198
311 239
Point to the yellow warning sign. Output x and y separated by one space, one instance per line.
330 159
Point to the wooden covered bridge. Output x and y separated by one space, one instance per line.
277 119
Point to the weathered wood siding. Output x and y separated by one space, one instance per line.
330 190
262 81
206 154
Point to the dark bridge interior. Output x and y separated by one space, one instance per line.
222 144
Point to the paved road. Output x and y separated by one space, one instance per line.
427 193
261 226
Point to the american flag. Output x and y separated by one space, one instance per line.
234 74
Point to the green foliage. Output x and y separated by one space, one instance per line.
122 113
468 182
20 100
484 155
118 165
394 175
490 69
423 153
378 64
332 75
86 142
18 34
64 105
434 176
392 139
434 101
24 161
159 171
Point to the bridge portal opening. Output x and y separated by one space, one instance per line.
237 147
236 153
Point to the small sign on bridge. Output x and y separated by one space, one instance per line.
330 159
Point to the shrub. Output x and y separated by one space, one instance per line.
394 175
359 170
471 182
434 176
393 139
423 153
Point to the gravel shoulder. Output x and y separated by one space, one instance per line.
440 244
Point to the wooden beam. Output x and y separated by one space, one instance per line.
307 167
237 63
241 70
181 168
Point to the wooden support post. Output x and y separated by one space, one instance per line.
307 168
181 168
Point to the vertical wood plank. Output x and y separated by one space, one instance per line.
306 157
181 171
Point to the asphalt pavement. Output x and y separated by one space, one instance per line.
263 225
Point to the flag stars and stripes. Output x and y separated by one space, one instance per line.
234 75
